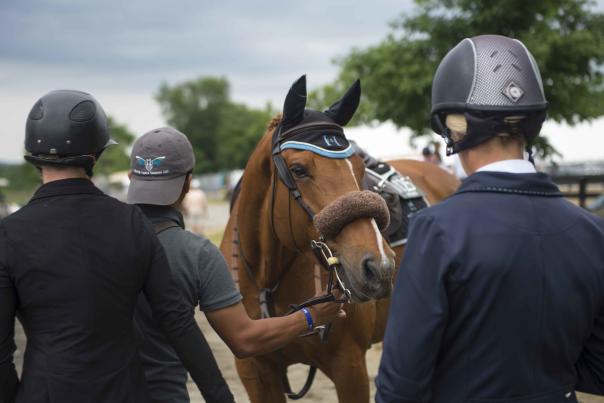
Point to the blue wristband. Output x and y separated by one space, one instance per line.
309 321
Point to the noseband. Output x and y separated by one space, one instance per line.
349 207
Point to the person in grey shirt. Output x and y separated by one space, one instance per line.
162 163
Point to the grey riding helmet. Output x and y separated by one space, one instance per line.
66 127
487 78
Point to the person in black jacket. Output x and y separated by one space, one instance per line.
72 264
500 294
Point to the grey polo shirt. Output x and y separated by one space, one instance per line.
203 279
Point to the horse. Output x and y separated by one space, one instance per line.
300 183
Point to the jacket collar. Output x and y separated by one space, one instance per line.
532 184
65 187
159 214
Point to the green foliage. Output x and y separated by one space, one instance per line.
116 158
223 133
565 36
22 178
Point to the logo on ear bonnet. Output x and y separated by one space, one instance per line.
331 141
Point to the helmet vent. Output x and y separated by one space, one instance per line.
83 111
37 112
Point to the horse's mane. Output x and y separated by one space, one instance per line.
274 122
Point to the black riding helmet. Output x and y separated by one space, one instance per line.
488 78
66 128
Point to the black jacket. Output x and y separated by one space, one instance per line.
499 298
72 263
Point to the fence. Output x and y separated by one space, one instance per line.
581 187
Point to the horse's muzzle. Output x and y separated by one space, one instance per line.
349 207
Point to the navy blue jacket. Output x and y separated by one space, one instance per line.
499 298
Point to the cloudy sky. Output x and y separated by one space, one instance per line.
121 51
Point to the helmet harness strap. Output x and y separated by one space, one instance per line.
482 126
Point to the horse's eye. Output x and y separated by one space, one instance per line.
299 171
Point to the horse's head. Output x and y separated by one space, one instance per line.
317 193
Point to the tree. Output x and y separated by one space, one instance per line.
565 36
116 158
223 133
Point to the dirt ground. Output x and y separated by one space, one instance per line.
322 390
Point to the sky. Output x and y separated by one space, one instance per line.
121 51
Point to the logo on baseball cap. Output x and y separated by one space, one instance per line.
160 162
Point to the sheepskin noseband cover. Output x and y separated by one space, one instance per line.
349 207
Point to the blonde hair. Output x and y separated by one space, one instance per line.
457 123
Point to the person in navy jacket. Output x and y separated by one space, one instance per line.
500 294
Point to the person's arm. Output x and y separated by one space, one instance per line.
590 365
417 318
220 301
178 322
8 305
246 337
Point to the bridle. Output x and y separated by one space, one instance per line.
321 250
323 254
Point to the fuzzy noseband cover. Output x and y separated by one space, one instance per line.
349 207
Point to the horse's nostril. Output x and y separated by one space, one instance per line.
370 269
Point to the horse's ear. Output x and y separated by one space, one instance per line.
295 102
342 110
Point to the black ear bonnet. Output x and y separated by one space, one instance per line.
314 131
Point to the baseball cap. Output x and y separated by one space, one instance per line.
160 161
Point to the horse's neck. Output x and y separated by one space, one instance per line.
264 253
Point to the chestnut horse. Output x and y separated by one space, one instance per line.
269 232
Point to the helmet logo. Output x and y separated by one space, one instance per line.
513 92
149 163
